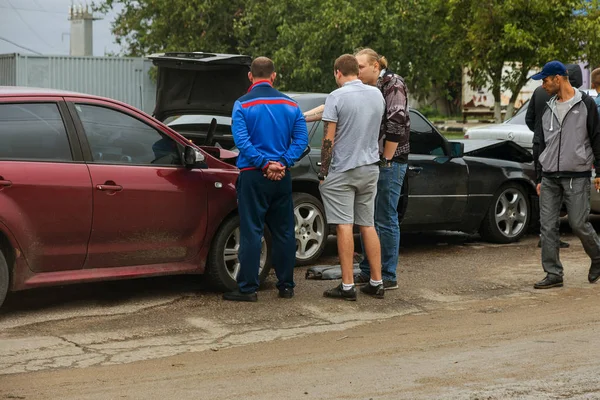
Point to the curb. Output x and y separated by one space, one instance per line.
451 128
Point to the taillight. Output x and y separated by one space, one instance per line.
466 136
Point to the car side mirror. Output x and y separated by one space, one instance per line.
457 149
192 157
304 153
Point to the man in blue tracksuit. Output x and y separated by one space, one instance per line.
270 132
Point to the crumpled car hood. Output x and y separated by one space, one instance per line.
496 149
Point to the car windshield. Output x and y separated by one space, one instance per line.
519 117
197 119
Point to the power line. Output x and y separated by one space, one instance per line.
29 26
38 4
18 45
34 10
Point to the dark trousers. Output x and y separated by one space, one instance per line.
576 195
261 200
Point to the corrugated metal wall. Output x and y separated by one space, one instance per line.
121 78
8 70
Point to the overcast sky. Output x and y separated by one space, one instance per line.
43 26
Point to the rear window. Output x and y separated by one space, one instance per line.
33 131
519 117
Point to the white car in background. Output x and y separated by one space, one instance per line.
513 128
516 130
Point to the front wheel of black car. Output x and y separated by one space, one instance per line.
310 228
507 219
223 260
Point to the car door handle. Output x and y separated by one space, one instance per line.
4 182
318 163
109 187
415 170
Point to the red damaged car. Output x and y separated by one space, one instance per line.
93 189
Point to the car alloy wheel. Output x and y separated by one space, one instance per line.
309 228
223 264
231 254
511 212
508 217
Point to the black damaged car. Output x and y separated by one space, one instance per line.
484 186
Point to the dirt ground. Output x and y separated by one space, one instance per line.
465 324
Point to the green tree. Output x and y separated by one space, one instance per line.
302 37
305 37
147 26
522 33
589 25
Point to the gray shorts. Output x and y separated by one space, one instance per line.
349 196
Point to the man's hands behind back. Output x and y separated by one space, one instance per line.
275 171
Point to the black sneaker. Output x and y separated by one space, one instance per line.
360 279
375 291
338 292
549 281
236 295
390 285
286 293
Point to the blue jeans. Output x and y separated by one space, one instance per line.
389 187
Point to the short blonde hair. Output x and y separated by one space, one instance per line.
596 78
373 57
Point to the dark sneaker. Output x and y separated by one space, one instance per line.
360 279
549 281
594 273
338 292
236 295
390 285
286 293
375 291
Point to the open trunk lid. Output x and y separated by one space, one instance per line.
199 83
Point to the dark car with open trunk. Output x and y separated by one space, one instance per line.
471 186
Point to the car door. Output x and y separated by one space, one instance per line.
438 184
45 187
315 142
148 208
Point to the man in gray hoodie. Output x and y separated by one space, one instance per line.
565 144
537 104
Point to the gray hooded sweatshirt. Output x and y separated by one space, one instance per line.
567 148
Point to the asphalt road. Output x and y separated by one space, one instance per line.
465 324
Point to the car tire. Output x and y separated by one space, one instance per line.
223 262
4 278
508 216
310 227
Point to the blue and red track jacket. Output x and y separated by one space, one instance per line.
267 126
